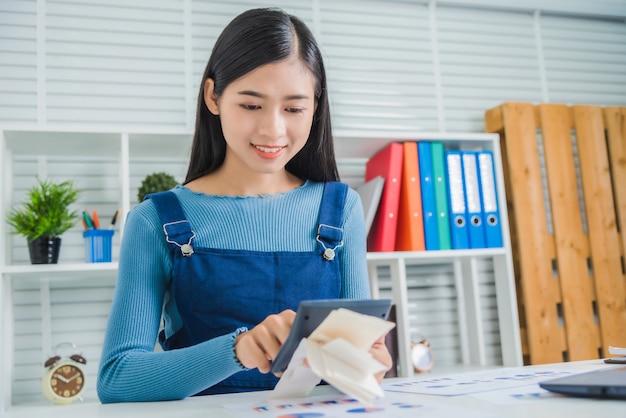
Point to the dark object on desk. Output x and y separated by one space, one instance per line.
391 341
615 360
311 313
606 383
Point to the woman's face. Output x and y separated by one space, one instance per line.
266 115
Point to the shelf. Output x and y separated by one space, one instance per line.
60 272
362 145
74 144
66 271
76 269
126 154
441 256
74 141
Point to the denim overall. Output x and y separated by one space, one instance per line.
218 290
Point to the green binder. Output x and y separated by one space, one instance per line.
441 195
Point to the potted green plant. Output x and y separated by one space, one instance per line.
45 216
154 183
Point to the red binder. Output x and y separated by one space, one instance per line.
410 229
386 163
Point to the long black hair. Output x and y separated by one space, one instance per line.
254 38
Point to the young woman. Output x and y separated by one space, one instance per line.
259 224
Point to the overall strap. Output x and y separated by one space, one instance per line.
329 231
176 227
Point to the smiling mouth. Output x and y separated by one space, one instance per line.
268 149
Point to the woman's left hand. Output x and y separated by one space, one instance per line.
380 352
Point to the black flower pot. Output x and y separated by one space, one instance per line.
44 250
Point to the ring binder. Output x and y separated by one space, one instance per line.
456 193
431 236
493 234
475 227
441 195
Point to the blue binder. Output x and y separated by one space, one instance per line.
475 224
456 198
489 194
431 234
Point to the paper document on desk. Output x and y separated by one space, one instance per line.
477 381
395 405
338 352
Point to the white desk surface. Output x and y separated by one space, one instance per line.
211 406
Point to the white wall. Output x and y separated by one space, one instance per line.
397 65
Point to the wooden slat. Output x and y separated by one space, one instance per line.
615 122
577 293
590 283
539 289
603 236
494 122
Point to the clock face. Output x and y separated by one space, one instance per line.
67 381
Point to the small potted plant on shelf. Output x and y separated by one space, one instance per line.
44 218
154 183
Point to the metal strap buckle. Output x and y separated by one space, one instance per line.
185 249
329 253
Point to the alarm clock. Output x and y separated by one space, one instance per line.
63 381
422 356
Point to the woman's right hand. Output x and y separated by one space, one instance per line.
257 347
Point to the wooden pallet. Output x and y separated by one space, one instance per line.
568 249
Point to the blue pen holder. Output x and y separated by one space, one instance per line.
98 243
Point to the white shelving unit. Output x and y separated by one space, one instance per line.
126 152
353 149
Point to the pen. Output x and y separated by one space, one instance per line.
87 220
117 212
96 220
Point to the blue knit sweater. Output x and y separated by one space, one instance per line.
130 369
